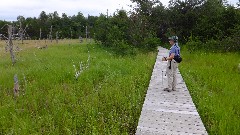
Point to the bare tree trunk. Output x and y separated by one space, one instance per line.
16 86
50 35
10 44
40 34
21 32
57 37
86 33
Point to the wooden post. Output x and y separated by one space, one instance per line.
10 44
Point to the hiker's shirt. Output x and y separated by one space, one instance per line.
174 49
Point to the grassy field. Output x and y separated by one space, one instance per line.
213 80
106 98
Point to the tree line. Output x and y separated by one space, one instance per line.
200 24
40 27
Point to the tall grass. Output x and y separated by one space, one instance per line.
213 80
106 98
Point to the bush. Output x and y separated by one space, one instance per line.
123 35
151 43
229 45
194 45
120 47
226 45
212 45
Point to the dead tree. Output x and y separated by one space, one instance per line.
80 39
16 86
21 32
50 34
57 37
88 39
40 34
86 33
10 44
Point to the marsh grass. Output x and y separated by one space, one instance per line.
105 99
213 80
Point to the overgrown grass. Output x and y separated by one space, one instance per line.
106 98
213 80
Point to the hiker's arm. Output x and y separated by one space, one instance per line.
171 56
168 58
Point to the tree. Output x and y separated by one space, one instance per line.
66 25
183 17
90 22
79 23
3 30
33 27
43 22
159 19
101 29
142 29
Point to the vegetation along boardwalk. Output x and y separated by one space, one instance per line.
168 112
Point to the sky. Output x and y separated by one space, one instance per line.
11 9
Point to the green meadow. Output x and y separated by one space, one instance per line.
105 98
107 94
213 80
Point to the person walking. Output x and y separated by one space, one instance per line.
172 65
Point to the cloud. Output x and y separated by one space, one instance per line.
10 9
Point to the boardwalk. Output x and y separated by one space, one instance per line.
168 113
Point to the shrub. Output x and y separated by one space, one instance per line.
228 44
124 35
212 45
194 45
151 43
